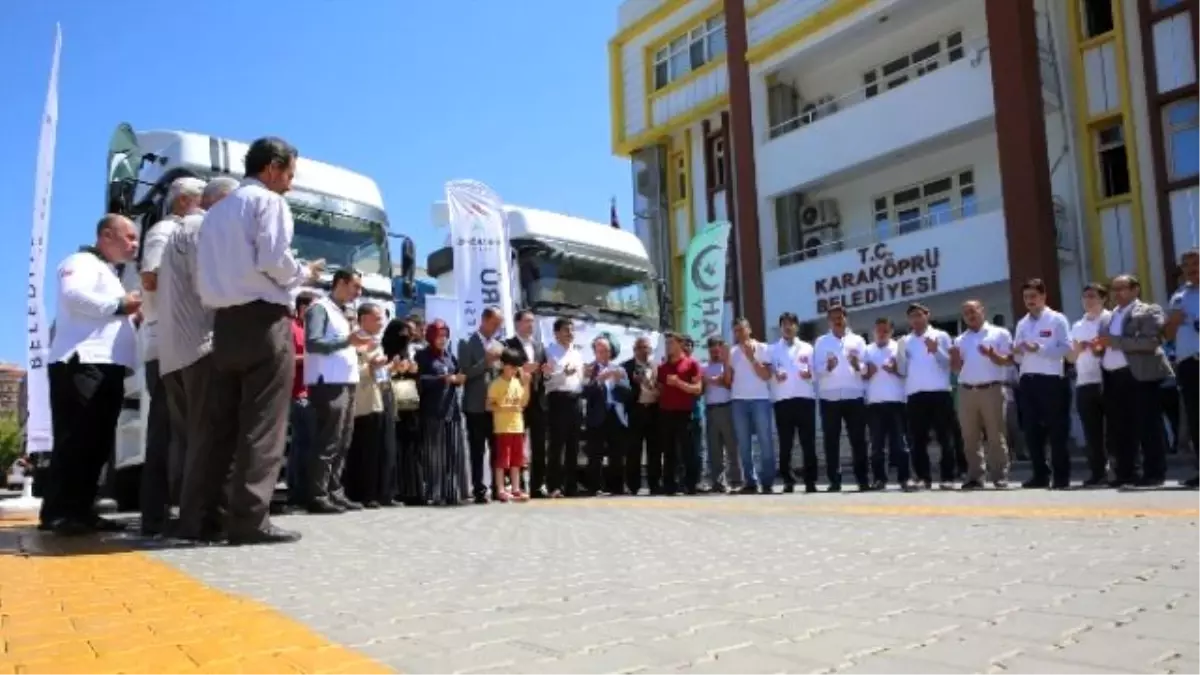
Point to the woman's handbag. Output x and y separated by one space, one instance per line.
405 396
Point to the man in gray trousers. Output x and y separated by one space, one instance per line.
724 462
331 348
477 359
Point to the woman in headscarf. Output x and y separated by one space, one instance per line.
409 477
440 449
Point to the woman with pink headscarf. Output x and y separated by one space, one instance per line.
440 457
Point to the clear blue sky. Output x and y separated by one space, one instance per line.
411 93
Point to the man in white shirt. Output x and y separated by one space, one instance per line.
981 357
839 361
164 440
1040 343
331 374
564 384
795 399
885 408
751 405
1089 388
184 336
924 363
245 272
91 349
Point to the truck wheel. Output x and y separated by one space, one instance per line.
127 487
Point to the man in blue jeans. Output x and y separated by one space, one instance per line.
751 407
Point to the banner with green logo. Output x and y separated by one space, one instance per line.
704 282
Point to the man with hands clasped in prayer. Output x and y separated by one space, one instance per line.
981 357
839 355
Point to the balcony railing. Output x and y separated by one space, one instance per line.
877 232
971 48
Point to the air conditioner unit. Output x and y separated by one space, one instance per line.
820 242
822 213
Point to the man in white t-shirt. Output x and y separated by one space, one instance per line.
751 407
1041 341
924 360
885 408
981 357
839 368
1089 387
791 362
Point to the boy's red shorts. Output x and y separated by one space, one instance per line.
509 452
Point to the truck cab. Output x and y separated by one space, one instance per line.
599 276
339 217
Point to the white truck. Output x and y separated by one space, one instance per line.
339 217
599 276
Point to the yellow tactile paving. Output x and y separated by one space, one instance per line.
747 505
124 612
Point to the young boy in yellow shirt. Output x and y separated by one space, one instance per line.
506 399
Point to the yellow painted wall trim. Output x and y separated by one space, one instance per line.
656 134
1085 128
759 7
616 93
818 20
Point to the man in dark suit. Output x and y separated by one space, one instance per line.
533 353
643 404
478 358
606 392
1134 366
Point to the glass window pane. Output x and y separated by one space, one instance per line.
954 39
716 22
661 76
966 178
909 220
680 65
926 52
883 226
1185 153
940 212
1182 113
679 44
895 66
939 186
716 43
905 196
698 57
970 205
881 204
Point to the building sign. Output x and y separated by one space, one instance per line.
880 278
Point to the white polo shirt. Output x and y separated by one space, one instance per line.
978 369
86 323
884 387
1051 333
925 371
1087 364
794 360
843 382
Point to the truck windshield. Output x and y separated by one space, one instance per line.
626 295
343 241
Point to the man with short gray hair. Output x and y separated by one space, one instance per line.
162 441
185 336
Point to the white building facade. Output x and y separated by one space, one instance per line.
879 141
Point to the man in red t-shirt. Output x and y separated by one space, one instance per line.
679 382
301 432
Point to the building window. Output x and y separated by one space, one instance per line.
719 174
1182 138
928 204
699 46
679 192
1160 5
1097 17
1114 163
945 50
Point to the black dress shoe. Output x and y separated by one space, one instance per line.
971 485
768 489
749 490
1193 482
810 488
1036 483
879 485
789 489
481 499
836 487
323 506
1060 485
98 524
70 527
346 503
271 535
372 504
1095 482
1151 482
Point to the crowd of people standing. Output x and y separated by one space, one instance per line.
387 412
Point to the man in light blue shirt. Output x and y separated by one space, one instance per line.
1183 326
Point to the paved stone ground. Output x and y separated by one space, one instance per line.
1025 581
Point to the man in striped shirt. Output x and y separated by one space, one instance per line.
185 334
